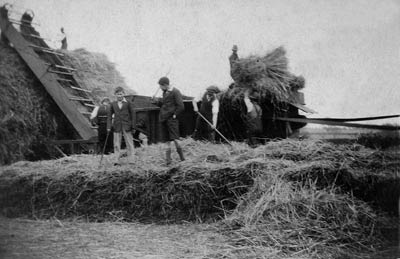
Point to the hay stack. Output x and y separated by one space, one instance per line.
267 75
297 197
95 72
25 119
29 117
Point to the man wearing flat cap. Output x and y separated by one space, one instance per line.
209 109
171 105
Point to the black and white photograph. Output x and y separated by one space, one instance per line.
200 129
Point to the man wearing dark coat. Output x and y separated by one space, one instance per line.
233 58
171 106
121 117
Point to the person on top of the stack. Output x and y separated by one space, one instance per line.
171 105
121 117
64 44
233 58
253 117
99 118
209 109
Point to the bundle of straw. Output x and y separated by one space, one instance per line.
268 75
270 78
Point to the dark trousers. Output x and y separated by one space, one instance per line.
203 131
102 135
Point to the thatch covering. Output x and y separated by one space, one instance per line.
29 118
25 119
95 72
269 76
288 197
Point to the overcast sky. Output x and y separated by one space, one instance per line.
347 50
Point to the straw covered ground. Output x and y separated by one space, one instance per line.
284 199
29 117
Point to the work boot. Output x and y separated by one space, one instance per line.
168 156
179 150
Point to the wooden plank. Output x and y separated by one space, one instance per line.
359 119
48 80
302 107
338 123
74 98
80 89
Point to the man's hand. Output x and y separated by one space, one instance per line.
108 130
174 116
154 99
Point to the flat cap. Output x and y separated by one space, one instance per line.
163 81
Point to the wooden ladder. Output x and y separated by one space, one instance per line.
57 78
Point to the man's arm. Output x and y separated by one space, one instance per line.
109 117
156 101
194 103
94 112
133 114
215 110
247 102
180 107
93 115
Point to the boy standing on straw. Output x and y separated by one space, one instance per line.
121 111
171 106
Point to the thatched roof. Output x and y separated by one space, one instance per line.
95 72
31 118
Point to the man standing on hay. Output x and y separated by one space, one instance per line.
209 109
121 117
233 59
253 117
64 44
171 106
99 117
